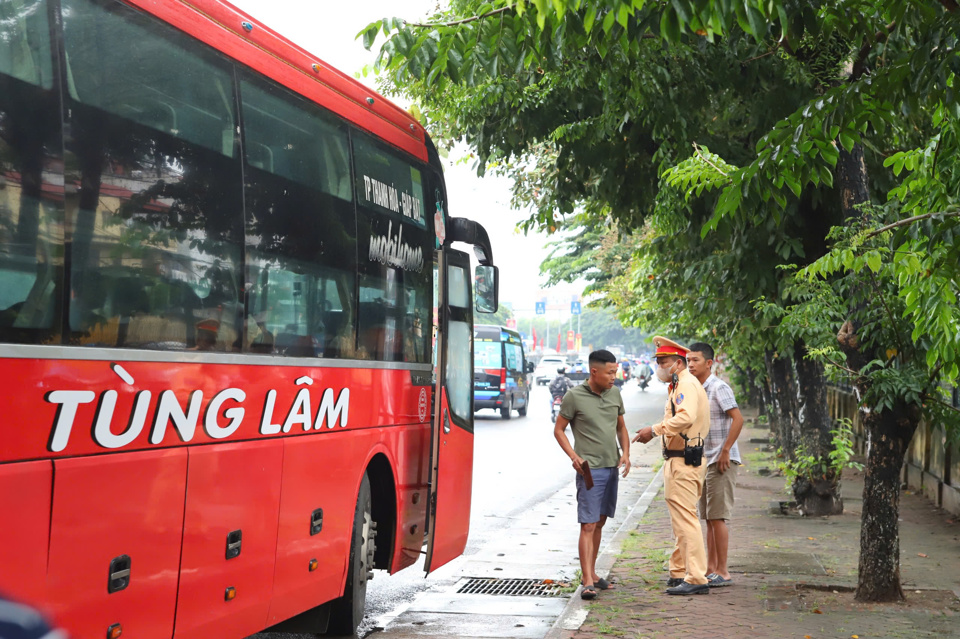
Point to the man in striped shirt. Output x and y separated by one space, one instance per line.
722 458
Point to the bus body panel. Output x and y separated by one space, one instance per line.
26 490
219 25
230 487
412 446
319 473
105 507
159 454
232 402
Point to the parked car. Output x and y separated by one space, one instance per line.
547 368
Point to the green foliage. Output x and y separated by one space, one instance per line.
805 466
693 153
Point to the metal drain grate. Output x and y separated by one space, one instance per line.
514 587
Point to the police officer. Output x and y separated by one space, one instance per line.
685 422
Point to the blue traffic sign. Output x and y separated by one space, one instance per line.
541 308
574 308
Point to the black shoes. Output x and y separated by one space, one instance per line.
673 582
689 589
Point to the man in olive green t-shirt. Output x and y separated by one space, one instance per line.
595 411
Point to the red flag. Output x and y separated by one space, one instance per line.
558 340
534 338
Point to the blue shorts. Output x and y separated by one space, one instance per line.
601 500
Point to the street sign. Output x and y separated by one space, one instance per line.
541 308
574 308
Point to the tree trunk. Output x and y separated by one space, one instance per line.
773 411
756 392
852 180
888 435
785 393
820 494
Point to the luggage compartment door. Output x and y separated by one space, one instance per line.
115 542
229 539
25 489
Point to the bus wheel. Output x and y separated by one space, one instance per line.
346 613
522 411
507 409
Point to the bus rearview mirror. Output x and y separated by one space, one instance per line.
486 283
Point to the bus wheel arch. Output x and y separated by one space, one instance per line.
383 491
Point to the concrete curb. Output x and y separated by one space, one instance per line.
575 612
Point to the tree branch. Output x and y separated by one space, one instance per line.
935 400
762 55
861 63
910 220
842 367
893 321
933 376
696 149
434 25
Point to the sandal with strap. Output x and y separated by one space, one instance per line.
588 592
716 581
603 584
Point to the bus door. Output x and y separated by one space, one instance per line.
451 457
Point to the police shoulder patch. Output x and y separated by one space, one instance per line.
679 398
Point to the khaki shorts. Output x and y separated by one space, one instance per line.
716 499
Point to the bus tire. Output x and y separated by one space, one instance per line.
507 409
522 411
346 613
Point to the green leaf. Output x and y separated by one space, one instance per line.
608 21
590 18
670 25
680 6
757 22
370 34
873 261
826 175
847 141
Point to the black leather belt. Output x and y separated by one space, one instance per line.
667 454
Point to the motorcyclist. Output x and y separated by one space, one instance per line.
559 386
643 373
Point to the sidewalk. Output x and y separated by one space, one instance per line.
793 577
538 545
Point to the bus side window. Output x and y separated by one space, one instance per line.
513 357
300 235
395 246
155 254
31 160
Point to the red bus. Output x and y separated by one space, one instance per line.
220 260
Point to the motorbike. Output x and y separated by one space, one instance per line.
555 407
643 381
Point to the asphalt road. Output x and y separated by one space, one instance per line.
517 464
